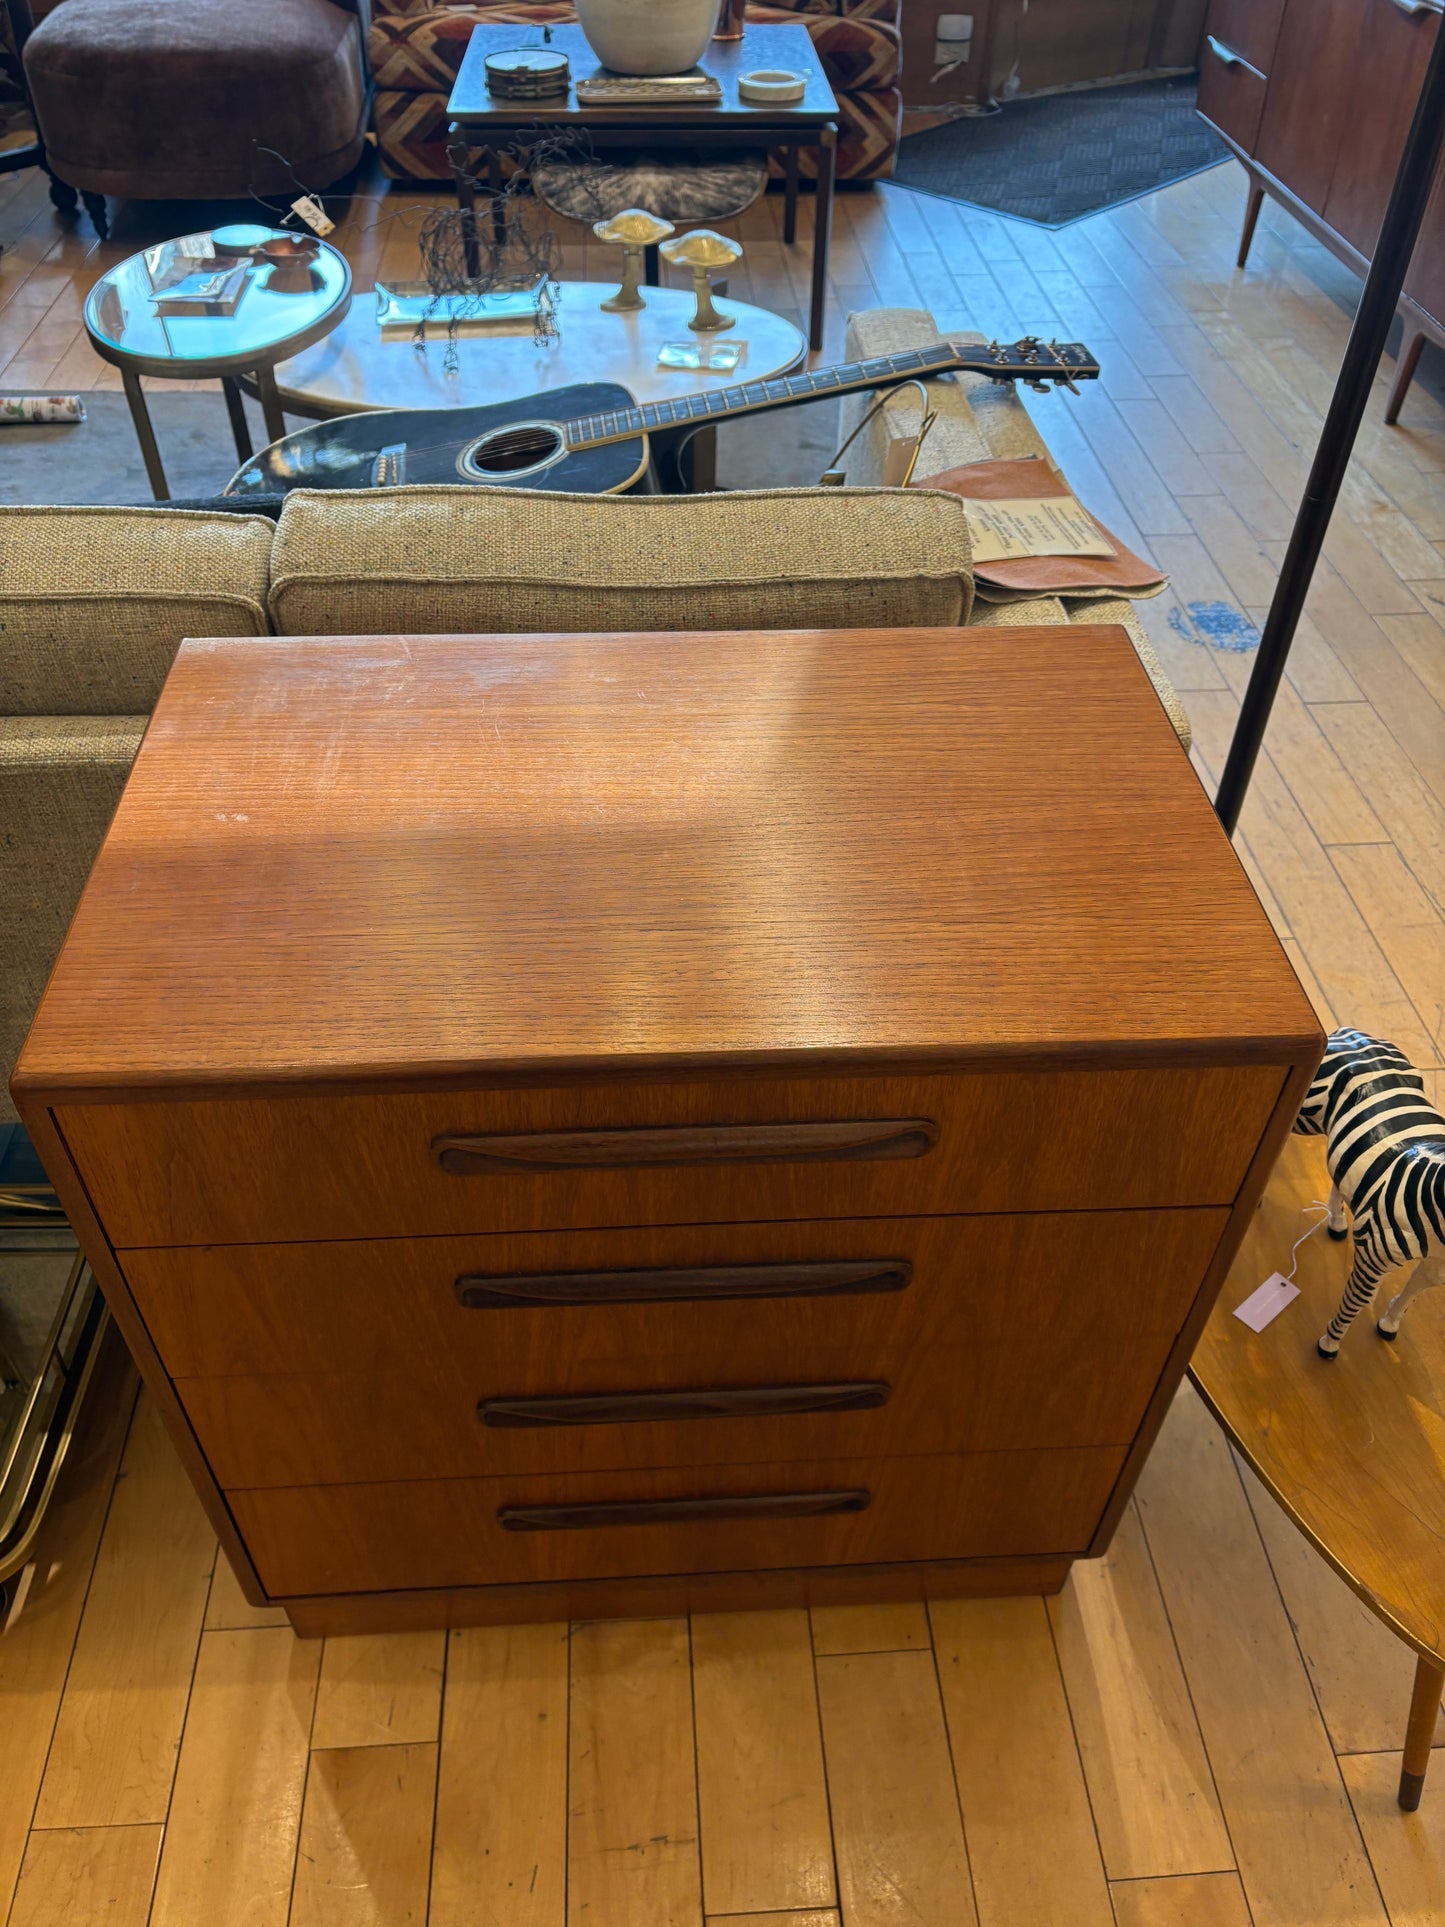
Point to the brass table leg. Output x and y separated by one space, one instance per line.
145 434
270 404
1420 1731
236 409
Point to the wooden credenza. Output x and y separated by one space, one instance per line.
575 1125
1315 97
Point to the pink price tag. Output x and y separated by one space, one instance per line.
1267 1302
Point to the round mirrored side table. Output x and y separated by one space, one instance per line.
164 312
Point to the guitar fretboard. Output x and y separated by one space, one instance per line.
589 431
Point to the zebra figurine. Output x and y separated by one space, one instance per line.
1385 1148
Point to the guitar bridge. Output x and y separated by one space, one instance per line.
389 468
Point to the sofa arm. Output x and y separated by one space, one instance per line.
60 780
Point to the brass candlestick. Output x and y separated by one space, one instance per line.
703 250
634 230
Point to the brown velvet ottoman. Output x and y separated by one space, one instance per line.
179 99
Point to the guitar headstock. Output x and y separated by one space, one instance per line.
1042 364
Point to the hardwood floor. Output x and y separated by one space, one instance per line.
1203 1729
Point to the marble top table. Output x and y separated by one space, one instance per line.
359 367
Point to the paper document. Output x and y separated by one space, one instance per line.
1045 525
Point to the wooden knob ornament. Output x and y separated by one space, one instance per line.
704 251
634 230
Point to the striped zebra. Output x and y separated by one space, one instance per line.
1385 1148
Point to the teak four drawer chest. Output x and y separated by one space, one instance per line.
589 1124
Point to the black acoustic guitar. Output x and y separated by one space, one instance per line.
592 438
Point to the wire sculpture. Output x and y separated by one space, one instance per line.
502 243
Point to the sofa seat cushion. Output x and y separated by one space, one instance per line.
457 561
94 602
162 98
60 780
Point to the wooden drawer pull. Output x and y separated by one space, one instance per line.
852 1140
741 1401
478 1292
662 1512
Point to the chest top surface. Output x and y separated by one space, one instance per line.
388 859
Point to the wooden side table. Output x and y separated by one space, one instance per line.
482 127
591 1124
1352 1449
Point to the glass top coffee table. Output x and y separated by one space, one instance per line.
164 312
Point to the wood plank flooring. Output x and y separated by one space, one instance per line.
1203 1729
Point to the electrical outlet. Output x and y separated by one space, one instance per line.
953 41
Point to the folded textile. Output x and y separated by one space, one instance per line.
17 410
1003 578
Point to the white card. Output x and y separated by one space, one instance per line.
1268 1302
313 214
1043 525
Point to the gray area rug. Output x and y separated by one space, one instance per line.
98 459
1055 159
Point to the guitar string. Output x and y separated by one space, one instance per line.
846 374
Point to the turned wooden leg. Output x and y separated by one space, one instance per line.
1251 215
1420 1731
1404 374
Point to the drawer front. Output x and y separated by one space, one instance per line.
1231 91
329 1365
476 1532
1249 27
686 1153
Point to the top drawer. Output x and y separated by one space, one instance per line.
1247 27
238 1172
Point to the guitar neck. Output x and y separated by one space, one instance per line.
748 397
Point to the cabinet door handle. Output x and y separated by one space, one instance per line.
847 1278
662 1512
1421 6
846 1141
1227 56
723 1401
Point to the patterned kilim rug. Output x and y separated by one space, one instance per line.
1062 156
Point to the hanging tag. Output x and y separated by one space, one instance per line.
1267 1302
313 214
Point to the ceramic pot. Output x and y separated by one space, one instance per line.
647 36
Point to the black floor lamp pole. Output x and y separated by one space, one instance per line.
1371 328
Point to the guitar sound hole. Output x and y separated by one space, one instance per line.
519 449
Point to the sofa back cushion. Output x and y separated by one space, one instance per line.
94 602
456 561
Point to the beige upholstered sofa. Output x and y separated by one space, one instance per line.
95 602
